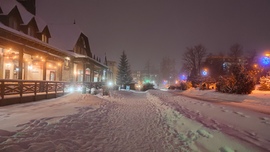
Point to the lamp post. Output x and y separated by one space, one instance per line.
204 73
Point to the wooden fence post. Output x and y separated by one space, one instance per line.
2 89
55 89
20 85
47 86
35 91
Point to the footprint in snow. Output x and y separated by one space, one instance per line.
266 122
204 133
226 149
224 110
241 114
264 118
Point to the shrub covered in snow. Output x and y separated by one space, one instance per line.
239 81
265 83
147 86
185 85
181 86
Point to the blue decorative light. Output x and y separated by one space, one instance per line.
165 82
183 77
204 73
266 60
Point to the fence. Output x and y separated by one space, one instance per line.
20 91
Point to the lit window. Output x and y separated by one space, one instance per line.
44 38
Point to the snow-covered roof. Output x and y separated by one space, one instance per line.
69 53
8 5
2 26
40 23
64 36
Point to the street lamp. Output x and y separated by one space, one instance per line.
205 72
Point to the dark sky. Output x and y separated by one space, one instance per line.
152 29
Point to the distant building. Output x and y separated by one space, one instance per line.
220 65
145 76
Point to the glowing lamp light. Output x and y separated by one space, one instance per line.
165 82
79 88
204 73
30 67
183 77
71 89
266 60
146 81
110 83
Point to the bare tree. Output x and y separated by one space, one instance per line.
236 51
193 58
201 53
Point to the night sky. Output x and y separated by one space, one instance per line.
151 29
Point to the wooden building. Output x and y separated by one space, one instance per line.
32 50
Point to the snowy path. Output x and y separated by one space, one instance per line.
128 121
125 122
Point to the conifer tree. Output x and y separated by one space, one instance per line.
124 73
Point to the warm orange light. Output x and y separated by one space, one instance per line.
255 65
8 65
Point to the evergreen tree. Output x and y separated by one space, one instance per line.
240 81
265 83
124 73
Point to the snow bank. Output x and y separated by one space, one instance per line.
257 100
242 125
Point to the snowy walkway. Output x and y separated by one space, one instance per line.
130 121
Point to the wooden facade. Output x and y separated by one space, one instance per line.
27 54
28 51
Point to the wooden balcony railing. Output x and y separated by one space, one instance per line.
11 90
20 87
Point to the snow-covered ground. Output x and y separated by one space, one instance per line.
135 121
